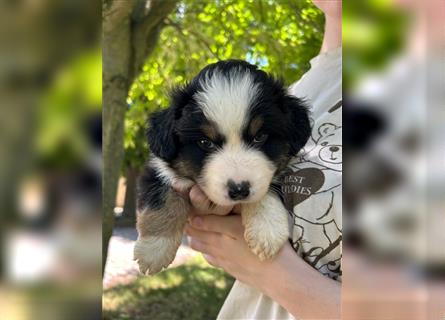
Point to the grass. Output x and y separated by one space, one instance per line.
193 291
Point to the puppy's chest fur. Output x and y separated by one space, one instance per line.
162 215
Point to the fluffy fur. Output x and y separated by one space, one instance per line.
231 130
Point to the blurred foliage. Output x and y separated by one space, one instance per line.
279 36
373 32
191 291
74 96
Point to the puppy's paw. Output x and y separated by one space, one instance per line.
265 243
153 254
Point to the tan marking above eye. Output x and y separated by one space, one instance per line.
255 125
210 131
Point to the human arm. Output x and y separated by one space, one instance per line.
333 26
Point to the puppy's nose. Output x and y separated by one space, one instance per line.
238 191
334 149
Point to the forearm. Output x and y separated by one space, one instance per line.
300 289
333 27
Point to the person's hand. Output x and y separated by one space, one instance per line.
287 279
220 237
200 203
221 241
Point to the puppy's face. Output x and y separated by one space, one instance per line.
230 130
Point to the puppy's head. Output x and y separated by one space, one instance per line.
231 129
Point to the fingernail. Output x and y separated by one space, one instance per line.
197 221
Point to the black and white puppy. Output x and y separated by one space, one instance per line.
231 131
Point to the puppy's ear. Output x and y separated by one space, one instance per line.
298 126
160 134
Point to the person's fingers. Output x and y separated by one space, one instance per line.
227 225
211 260
203 205
207 237
197 245
237 209
198 199
218 211
179 189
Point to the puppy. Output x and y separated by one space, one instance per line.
231 130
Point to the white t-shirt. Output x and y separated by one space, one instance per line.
311 188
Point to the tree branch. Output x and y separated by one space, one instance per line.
195 34
145 32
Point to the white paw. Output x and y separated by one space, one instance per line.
155 253
265 245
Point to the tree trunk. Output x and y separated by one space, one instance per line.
130 195
116 60
130 32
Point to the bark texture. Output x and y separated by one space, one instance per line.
130 194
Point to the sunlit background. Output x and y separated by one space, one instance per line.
394 217
50 120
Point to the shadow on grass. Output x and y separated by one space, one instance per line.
192 291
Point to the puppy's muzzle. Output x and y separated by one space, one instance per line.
238 191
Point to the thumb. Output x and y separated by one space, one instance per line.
182 190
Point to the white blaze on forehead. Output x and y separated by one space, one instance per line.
226 99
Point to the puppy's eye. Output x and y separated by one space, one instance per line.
260 138
206 144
